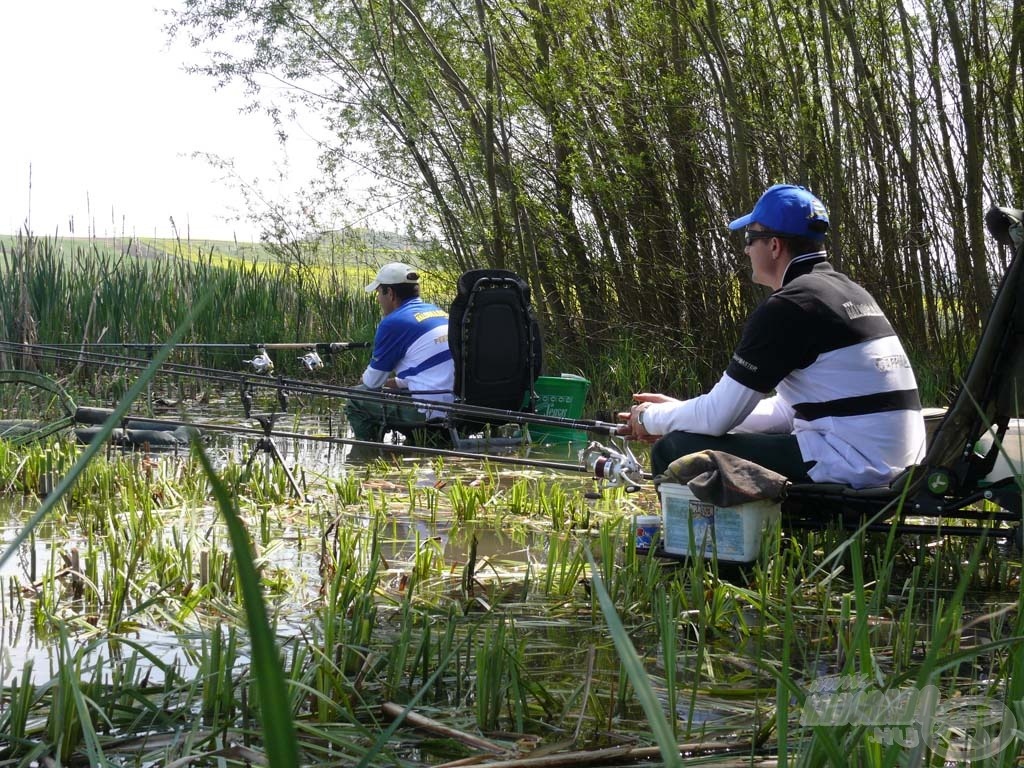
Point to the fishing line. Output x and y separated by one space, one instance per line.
321 346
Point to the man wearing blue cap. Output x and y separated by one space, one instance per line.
846 407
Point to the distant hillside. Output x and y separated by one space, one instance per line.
354 246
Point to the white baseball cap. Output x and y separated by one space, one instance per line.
394 273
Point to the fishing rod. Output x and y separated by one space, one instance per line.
290 386
324 346
607 465
97 416
260 362
614 465
138 431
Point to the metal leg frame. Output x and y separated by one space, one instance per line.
1005 522
266 445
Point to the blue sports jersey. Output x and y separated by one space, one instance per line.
412 343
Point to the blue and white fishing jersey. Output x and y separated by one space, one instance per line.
412 343
822 342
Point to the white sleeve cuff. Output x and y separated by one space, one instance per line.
374 379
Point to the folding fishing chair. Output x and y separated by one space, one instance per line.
497 348
953 480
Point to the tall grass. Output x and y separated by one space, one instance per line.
67 292
50 295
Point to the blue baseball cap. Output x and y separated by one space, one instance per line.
788 210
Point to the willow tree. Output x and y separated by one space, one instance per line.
599 148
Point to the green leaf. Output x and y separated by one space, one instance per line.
278 728
635 671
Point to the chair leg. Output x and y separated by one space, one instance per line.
427 436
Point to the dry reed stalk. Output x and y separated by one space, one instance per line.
616 756
425 723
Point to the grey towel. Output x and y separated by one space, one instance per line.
723 479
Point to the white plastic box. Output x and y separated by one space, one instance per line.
1011 454
732 534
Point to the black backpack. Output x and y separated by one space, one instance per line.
495 340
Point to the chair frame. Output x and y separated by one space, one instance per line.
476 285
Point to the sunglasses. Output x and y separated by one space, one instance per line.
750 235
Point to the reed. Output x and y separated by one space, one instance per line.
635 672
498 665
218 662
398 657
22 700
666 613
467 501
69 293
274 712
565 565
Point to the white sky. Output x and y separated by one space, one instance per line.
96 101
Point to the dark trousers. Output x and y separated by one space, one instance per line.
369 419
780 453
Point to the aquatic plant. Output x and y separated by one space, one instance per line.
486 600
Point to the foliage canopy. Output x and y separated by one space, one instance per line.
599 148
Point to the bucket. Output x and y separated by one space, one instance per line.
561 396
647 527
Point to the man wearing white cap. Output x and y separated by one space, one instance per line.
410 353
846 407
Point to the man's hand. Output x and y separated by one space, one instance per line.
634 426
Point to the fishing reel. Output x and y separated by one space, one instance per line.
311 361
614 466
261 362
